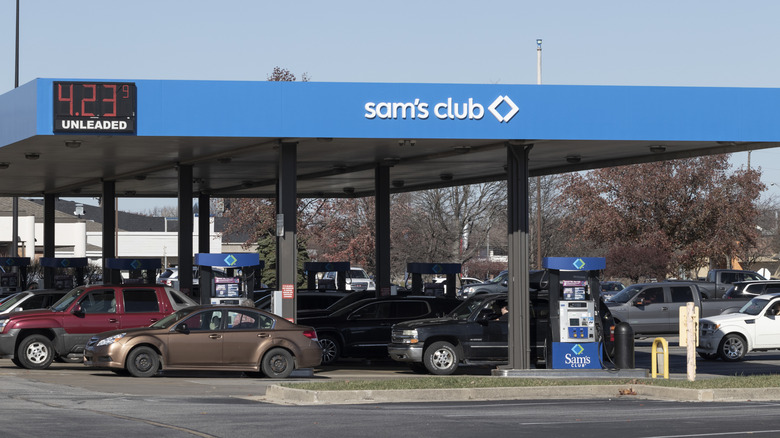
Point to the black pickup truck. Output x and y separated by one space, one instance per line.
474 333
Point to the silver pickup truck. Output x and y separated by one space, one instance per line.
653 308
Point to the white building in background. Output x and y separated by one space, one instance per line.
82 236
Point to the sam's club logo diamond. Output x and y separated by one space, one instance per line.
579 263
577 349
231 260
493 108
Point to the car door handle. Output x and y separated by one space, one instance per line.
113 320
153 320
215 336
664 308
263 335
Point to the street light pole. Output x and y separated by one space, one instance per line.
539 179
539 61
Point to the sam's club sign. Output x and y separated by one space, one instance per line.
580 356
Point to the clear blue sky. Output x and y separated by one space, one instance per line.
670 43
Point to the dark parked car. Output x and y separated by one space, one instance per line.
307 300
751 289
228 338
363 329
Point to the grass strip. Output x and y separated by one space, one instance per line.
450 382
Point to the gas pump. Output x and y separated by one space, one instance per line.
140 271
338 283
66 270
13 275
575 330
232 289
450 270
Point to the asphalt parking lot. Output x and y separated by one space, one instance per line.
218 384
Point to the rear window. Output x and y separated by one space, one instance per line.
681 294
141 301
166 274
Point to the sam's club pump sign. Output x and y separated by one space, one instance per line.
580 356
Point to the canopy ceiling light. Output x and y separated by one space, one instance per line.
407 142
73 144
32 155
398 183
446 177
349 190
657 148
4 165
573 159
462 149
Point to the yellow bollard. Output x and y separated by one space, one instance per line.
665 351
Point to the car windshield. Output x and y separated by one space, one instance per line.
11 301
167 273
625 295
172 319
63 303
357 273
498 278
464 310
754 306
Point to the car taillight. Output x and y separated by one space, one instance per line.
311 334
612 333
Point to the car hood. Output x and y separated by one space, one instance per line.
34 313
729 318
424 322
130 331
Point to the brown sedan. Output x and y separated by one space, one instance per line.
227 338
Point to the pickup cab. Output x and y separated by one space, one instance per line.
653 308
756 327
720 280
33 339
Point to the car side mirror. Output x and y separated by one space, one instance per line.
639 302
504 283
78 310
182 328
18 309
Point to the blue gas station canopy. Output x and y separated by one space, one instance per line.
66 136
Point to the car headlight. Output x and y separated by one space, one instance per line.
110 340
409 337
469 290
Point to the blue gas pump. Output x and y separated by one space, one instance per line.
575 330
13 274
231 289
66 270
140 271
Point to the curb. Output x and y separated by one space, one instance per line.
289 396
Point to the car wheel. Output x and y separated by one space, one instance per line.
441 358
418 368
708 356
35 352
278 363
17 362
732 348
331 350
142 362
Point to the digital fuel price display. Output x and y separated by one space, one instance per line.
94 107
